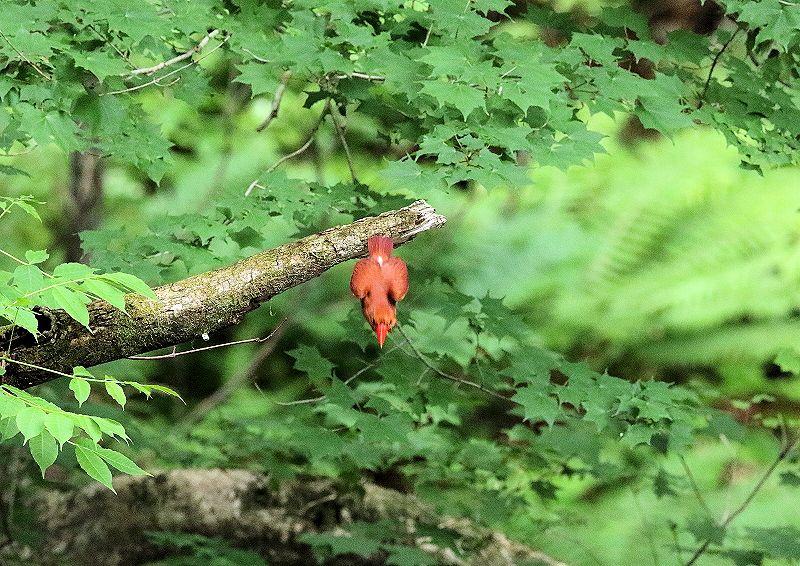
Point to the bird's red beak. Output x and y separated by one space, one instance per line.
382 330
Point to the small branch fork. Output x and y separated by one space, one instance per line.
176 59
255 184
157 80
447 376
787 447
416 353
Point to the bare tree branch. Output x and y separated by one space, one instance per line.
24 58
276 102
339 124
199 305
176 59
296 152
157 80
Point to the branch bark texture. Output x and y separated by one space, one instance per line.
202 304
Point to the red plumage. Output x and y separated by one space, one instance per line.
380 281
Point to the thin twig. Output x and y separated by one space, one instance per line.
24 58
175 354
224 392
336 116
109 42
25 151
156 80
695 488
346 382
357 75
714 66
427 36
786 449
447 376
254 185
276 101
256 57
176 59
295 153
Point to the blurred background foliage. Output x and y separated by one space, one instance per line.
653 259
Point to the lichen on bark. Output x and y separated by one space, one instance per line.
198 305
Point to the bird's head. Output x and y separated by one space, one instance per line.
382 318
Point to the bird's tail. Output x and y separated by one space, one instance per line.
380 246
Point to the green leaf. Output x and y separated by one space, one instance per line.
28 278
60 426
44 450
788 359
10 405
73 303
87 425
105 291
11 170
30 422
309 360
8 428
37 256
116 392
91 463
73 270
463 97
130 282
120 462
81 388
260 77
111 427
148 389
342 544
537 405
408 556
100 64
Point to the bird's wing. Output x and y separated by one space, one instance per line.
365 274
395 274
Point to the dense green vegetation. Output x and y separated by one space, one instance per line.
598 356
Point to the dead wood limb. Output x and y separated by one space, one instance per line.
199 305
95 526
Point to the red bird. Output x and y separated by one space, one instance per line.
380 280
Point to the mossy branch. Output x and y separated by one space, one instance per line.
198 305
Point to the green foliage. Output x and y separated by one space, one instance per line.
442 77
669 257
657 270
44 426
190 549
369 539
